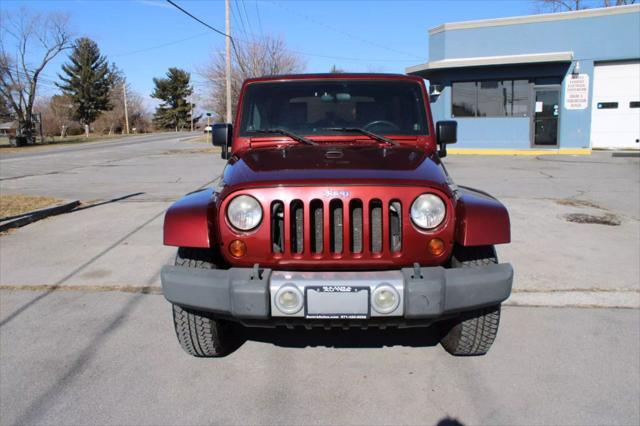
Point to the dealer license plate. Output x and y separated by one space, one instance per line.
337 302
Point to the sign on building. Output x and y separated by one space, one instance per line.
576 95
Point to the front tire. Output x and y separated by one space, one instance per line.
198 334
473 332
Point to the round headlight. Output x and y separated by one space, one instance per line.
385 299
428 211
288 299
244 213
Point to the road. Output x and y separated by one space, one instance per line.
101 349
111 358
44 150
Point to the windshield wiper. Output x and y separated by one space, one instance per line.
375 136
293 136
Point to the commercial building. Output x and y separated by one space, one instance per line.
552 83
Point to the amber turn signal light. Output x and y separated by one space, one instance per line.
237 248
436 247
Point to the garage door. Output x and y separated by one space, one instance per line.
615 117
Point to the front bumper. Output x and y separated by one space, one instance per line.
427 293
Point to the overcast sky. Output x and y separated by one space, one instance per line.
146 37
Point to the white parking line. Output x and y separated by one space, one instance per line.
576 298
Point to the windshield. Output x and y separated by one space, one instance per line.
312 107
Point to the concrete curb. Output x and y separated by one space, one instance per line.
33 216
100 288
535 152
576 298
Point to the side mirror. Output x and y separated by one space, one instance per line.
221 136
446 133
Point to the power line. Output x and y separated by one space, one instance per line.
234 39
233 44
246 15
347 58
30 74
340 31
343 58
170 43
198 19
255 3
238 24
239 16
30 66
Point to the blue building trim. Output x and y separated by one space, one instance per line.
601 38
593 37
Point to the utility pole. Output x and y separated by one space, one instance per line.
191 105
40 125
228 49
126 113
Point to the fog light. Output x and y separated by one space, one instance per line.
288 300
385 299
237 248
436 247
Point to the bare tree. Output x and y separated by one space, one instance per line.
567 5
139 117
35 40
113 120
57 114
268 56
608 3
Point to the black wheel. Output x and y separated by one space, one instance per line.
473 332
466 257
195 258
199 334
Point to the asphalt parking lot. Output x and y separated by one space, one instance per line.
85 337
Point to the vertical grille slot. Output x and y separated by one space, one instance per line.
316 225
375 226
277 226
296 223
395 226
336 228
355 214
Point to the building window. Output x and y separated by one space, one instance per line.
464 99
634 104
492 101
490 98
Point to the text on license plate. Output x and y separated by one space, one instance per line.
337 302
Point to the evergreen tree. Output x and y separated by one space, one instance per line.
175 110
87 81
116 76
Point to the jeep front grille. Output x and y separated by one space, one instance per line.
352 226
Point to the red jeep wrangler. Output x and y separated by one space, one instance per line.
335 210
